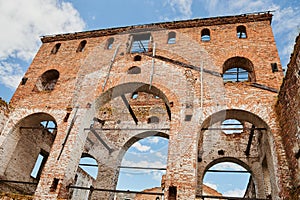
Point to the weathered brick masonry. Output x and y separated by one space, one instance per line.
289 116
165 79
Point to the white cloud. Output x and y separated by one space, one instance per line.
143 163
153 140
10 74
24 22
234 193
138 146
183 6
228 166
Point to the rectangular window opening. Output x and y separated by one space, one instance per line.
140 43
39 164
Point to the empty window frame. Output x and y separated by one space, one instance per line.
39 164
134 70
49 125
171 37
81 46
109 43
49 79
89 164
232 126
241 32
205 35
55 48
140 43
236 75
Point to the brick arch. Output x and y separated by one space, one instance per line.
130 87
24 143
240 62
227 159
266 147
232 114
138 137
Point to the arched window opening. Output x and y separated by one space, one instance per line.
226 179
241 32
153 120
205 35
238 69
236 75
48 80
81 46
89 165
134 95
137 58
171 37
134 70
50 126
55 48
143 166
109 43
232 126
29 145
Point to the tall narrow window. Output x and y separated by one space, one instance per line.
55 48
81 46
241 32
39 164
205 35
140 43
109 43
171 37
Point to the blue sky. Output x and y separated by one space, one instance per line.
23 22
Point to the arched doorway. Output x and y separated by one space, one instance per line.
28 146
143 165
120 117
239 135
227 177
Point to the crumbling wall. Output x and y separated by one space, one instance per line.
288 112
182 86
4 113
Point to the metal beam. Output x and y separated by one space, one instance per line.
101 140
260 129
115 191
18 182
129 129
168 111
143 168
227 171
129 109
247 152
227 198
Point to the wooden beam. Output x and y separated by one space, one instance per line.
129 109
247 152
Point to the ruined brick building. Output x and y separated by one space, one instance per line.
95 93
